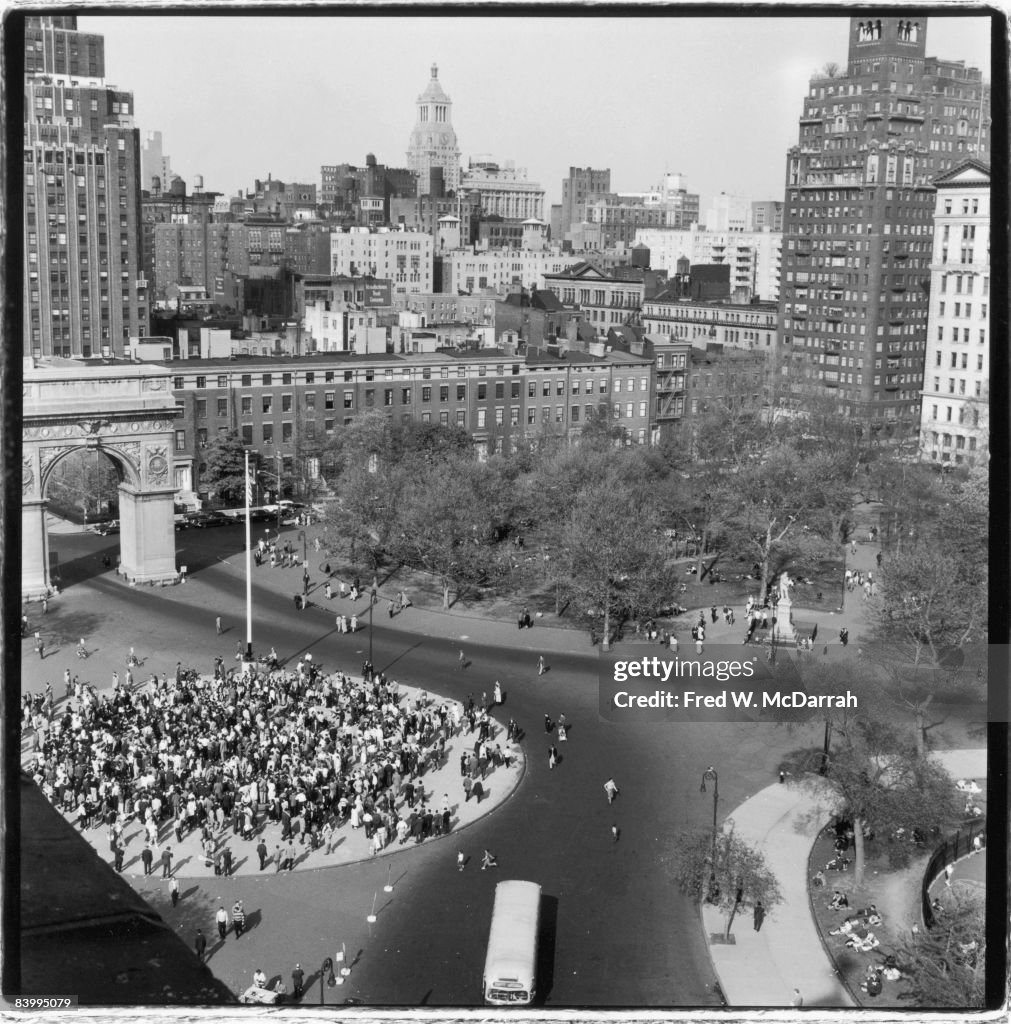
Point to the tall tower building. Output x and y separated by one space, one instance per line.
858 214
433 140
84 290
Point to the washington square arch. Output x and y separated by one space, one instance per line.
124 411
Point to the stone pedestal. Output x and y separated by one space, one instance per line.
147 535
34 549
783 631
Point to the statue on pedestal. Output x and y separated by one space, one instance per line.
785 583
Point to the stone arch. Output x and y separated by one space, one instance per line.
124 411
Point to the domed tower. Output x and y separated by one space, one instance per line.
433 140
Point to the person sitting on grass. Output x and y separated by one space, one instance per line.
864 944
839 901
872 981
818 881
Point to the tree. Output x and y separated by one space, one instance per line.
443 527
617 551
226 468
946 964
366 514
723 870
765 501
883 785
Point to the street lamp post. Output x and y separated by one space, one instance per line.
711 775
326 974
277 459
371 606
305 563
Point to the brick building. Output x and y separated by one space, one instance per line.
858 224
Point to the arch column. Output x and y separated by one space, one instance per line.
34 549
147 535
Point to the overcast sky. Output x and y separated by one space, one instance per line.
717 98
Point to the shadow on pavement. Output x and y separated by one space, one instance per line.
546 948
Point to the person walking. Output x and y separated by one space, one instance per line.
548 724
217 625
488 860
498 692
261 852
552 756
200 945
844 636
541 666
461 860
173 888
461 659
615 832
611 790
147 859
238 919
759 915
297 981
221 918
166 862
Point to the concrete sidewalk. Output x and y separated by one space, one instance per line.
782 821
763 968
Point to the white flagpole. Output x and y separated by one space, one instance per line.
249 575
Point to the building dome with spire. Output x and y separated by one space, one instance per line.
433 140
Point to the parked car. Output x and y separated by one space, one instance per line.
112 526
202 520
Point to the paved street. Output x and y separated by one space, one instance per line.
618 933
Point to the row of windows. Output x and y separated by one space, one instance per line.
547 388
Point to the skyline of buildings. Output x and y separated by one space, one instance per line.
641 115
872 137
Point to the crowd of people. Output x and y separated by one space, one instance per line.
308 750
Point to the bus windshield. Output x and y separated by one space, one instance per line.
511 964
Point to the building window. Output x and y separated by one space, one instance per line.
180 440
201 408
387 396
267 402
286 432
461 392
370 397
222 381
201 382
328 426
222 407
310 399
444 419
286 402
480 419
444 393
247 434
499 416
266 380
268 433
405 396
461 418
575 414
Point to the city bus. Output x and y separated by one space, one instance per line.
510 967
